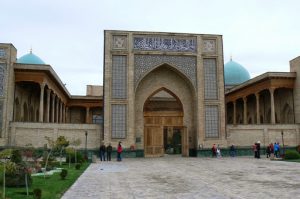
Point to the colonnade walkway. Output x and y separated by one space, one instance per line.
177 177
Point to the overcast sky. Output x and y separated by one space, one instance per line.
262 35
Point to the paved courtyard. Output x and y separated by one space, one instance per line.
177 177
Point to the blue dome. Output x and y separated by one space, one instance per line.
235 73
30 58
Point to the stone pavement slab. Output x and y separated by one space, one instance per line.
177 177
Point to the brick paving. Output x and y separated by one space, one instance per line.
177 177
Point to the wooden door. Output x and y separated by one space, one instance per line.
153 138
184 142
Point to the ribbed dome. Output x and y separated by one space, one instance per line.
30 58
235 73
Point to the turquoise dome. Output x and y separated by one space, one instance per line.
235 73
30 58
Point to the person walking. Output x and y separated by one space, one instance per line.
108 152
276 148
268 150
119 152
102 152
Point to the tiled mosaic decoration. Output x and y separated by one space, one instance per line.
165 43
145 63
211 121
209 46
119 77
118 126
119 42
210 79
2 78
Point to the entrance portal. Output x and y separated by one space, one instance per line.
163 125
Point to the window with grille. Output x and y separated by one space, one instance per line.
119 77
211 121
210 79
118 120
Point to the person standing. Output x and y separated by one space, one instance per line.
218 152
214 151
119 152
108 152
254 148
258 149
232 151
102 152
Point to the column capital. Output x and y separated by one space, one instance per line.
48 91
272 90
245 99
42 85
257 95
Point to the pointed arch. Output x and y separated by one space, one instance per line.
170 67
167 91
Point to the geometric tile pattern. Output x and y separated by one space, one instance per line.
211 121
118 126
119 42
209 46
2 52
2 78
210 79
119 77
145 63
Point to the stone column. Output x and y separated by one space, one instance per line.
48 106
87 115
63 115
52 107
41 111
245 110
67 114
57 106
272 105
257 108
60 111
234 112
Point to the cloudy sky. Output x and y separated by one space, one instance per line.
262 35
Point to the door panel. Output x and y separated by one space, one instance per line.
154 141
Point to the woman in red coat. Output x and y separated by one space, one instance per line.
119 151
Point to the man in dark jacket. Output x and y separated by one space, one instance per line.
102 152
108 152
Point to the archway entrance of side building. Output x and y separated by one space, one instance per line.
164 132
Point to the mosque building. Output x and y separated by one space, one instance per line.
162 93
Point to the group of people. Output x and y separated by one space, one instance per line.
216 151
273 150
106 152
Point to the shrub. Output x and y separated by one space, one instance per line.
291 155
77 166
17 178
298 148
80 158
37 193
16 156
63 173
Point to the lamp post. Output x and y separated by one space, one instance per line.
283 149
86 134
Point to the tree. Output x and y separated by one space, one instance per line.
51 144
61 143
5 154
76 143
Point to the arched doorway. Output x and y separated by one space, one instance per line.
175 85
163 125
